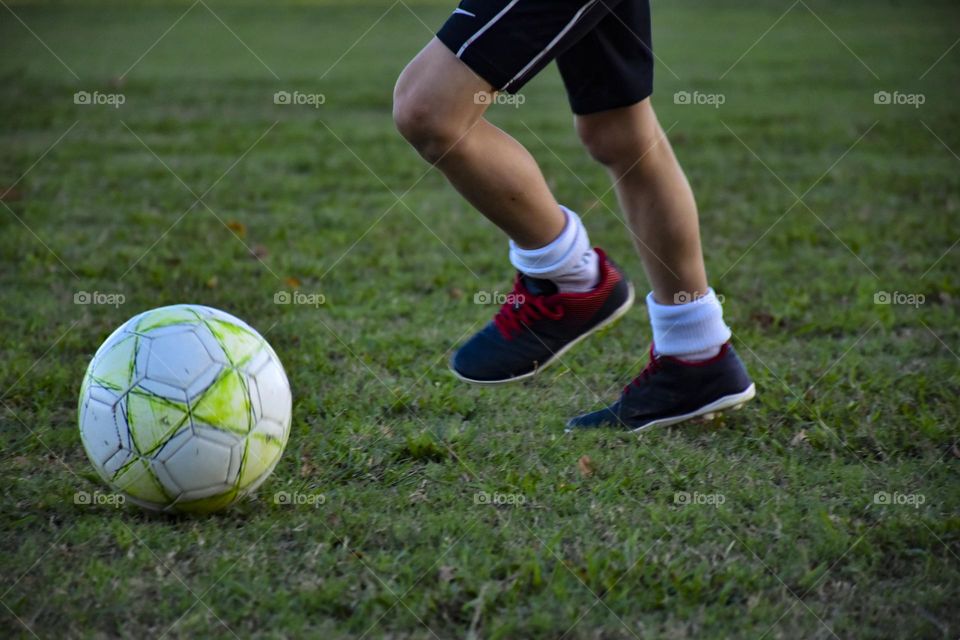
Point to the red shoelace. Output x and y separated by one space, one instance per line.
652 367
518 314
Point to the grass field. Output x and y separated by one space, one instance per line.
199 188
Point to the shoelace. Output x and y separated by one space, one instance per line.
515 316
652 367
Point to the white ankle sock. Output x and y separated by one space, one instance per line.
691 331
569 261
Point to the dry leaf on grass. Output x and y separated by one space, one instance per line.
585 465
237 227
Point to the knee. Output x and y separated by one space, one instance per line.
620 144
422 122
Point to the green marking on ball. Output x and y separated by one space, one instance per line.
114 369
137 481
261 452
166 317
152 420
237 342
225 404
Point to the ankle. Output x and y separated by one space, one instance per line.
569 261
691 331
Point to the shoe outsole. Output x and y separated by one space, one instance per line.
616 315
734 402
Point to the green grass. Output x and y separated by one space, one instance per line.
854 398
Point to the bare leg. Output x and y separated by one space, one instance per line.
655 195
436 111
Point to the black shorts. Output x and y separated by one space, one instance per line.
602 47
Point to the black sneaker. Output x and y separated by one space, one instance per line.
537 325
670 390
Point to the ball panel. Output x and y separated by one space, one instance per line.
261 455
198 462
137 481
211 344
82 399
103 430
256 482
226 404
118 334
239 343
113 365
165 317
170 485
272 430
176 365
258 361
210 313
120 459
153 419
272 399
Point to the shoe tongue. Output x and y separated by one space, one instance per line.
539 287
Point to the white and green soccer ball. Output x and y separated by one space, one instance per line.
185 408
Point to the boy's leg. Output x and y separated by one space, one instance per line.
565 289
436 110
654 195
693 368
693 371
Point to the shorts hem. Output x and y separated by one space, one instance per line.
586 107
482 67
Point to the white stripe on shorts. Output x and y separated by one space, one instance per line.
484 28
552 44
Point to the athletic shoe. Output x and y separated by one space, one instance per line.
670 390
538 324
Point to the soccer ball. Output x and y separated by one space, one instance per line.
184 408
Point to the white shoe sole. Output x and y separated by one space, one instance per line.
616 315
707 412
